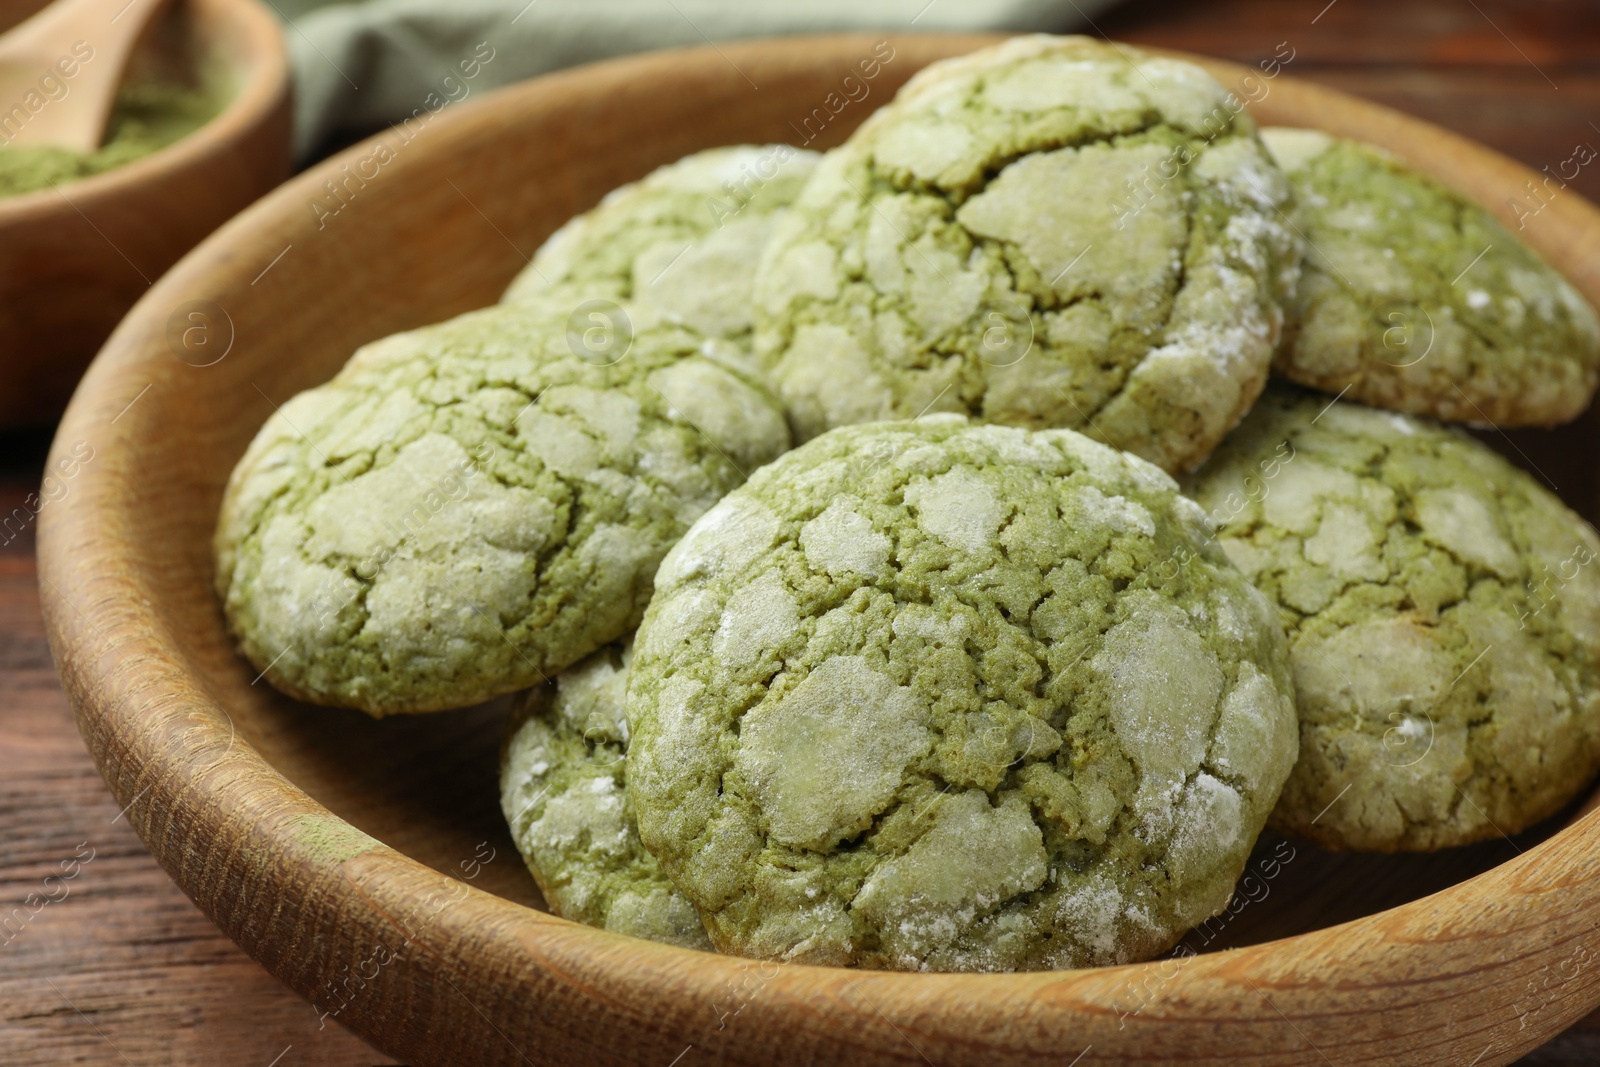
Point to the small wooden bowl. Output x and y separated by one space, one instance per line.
366 864
72 262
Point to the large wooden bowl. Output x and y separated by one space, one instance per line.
365 863
73 262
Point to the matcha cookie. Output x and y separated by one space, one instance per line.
1051 233
469 507
1444 622
1413 298
562 789
685 238
921 695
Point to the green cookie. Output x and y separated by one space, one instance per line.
1054 232
922 696
685 238
469 507
1443 615
1413 298
563 790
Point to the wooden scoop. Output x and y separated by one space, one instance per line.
60 69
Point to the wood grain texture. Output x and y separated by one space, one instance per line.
119 962
74 259
404 779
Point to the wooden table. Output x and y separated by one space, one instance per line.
123 969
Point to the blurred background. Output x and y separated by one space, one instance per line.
133 973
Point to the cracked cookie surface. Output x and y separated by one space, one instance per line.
563 789
920 696
1443 612
1414 298
684 238
469 507
1054 232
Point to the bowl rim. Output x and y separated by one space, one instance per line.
262 54
1431 949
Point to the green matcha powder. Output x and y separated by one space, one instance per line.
147 117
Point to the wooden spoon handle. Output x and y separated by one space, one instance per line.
90 38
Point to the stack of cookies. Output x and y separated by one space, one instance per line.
825 509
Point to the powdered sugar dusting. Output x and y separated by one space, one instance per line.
1164 686
960 508
841 541
1092 909
1116 512
1250 746
727 537
973 857
826 757
760 618
1208 827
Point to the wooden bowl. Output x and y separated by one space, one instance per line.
73 261
366 864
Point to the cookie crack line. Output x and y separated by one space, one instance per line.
879 182
1426 683
1521 341
566 516
975 792
1040 303
1474 572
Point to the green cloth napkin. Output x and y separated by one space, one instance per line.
361 66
